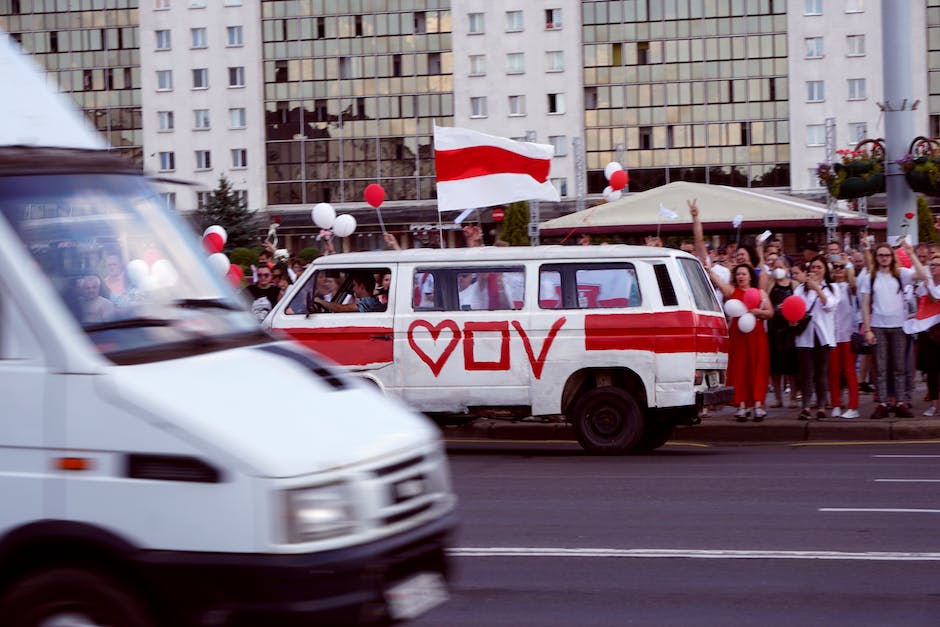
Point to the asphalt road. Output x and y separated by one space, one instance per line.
691 535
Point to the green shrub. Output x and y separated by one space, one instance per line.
309 254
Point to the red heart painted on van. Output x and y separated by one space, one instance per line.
436 365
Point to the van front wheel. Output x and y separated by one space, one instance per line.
71 596
607 421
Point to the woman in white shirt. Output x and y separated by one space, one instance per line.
814 344
842 361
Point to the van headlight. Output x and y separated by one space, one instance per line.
318 513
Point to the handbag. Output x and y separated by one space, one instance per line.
862 347
803 323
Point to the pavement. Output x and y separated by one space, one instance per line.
719 426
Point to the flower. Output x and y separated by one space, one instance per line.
853 163
921 166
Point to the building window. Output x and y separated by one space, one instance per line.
517 105
814 47
165 120
815 91
201 78
161 5
345 67
167 161
646 138
590 98
515 63
554 61
812 7
857 89
239 158
201 119
857 131
232 3
198 36
434 63
420 22
475 23
280 71
236 118
241 195
815 134
561 185
854 6
513 21
556 103
478 107
559 143
197 4
552 19
642 53
203 160
236 77
163 39
236 36
164 80
855 45
169 200
477 65
203 199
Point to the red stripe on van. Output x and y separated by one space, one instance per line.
348 346
667 332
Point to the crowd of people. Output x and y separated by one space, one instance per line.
873 292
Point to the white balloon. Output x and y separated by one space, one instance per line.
344 225
612 195
747 322
137 270
215 228
735 308
323 215
219 263
164 273
611 167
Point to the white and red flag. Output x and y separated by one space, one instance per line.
928 314
479 170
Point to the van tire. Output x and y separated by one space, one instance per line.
607 421
43 595
654 436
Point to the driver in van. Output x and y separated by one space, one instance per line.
94 306
363 289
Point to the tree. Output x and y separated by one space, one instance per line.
926 225
515 228
228 210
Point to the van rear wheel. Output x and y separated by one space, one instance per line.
607 421
71 596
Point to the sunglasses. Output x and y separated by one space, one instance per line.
838 266
262 275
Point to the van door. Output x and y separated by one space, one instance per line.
28 402
460 340
358 339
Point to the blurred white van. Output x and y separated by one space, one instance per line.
163 461
625 341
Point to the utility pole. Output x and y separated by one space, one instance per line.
535 212
831 220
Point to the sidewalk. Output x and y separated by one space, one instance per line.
781 425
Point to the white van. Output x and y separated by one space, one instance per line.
625 341
163 461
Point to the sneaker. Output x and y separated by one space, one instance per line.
903 410
804 415
931 411
850 413
741 415
759 415
836 412
881 411
865 387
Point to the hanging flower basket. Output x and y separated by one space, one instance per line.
859 172
921 166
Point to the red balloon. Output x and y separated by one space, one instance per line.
235 275
793 308
375 195
152 256
213 243
618 180
908 215
752 298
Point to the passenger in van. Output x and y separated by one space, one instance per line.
382 282
94 306
424 290
363 288
468 291
264 294
114 279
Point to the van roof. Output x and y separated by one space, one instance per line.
502 254
34 113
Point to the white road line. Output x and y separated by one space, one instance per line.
908 480
907 456
889 556
880 509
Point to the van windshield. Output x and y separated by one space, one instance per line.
119 264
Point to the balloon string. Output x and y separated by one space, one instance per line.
381 223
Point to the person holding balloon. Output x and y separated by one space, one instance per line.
748 354
782 354
814 344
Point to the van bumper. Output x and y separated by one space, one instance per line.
344 586
722 395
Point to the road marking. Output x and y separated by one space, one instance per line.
908 480
907 456
889 556
500 441
887 510
869 443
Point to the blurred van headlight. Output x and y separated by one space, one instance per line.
317 513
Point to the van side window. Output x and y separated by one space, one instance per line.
468 289
422 293
666 290
699 285
584 286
